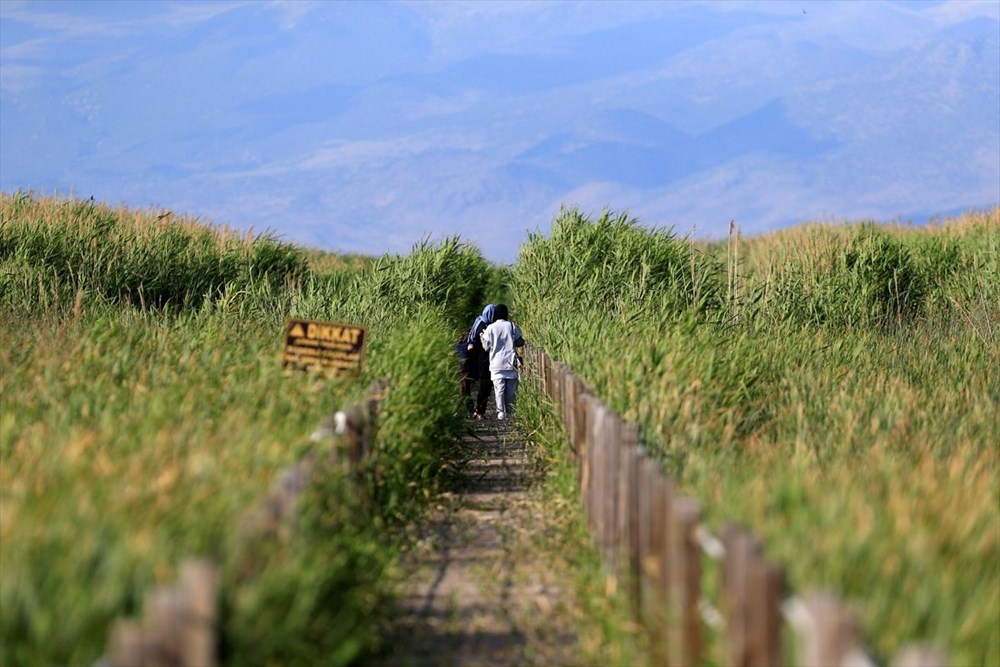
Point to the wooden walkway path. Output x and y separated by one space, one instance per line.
480 591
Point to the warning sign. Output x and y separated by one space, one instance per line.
335 348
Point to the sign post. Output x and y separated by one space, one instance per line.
337 349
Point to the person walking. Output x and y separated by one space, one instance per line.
500 342
477 362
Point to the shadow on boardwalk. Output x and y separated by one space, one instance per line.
480 591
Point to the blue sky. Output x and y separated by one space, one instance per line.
368 126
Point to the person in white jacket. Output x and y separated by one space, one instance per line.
501 340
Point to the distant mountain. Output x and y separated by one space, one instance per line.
638 150
368 126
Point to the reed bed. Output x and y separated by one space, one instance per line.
140 422
835 389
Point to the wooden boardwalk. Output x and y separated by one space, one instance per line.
480 591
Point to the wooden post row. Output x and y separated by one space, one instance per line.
646 532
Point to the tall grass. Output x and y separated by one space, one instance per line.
841 399
137 428
143 258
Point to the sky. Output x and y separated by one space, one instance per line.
367 127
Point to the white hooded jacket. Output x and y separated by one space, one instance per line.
499 340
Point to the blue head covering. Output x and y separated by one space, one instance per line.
483 321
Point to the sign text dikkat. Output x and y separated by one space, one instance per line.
328 346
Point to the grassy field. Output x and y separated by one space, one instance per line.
144 407
835 387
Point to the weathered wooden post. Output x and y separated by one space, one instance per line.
612 444
626 536
588 481
635 457
162 627
198 582
752 590
376 395
767 587
354 434
580 433
916 655
126 644
659 562
620 458
686 644
570 414
830 633
601 475
560 391
740 549
647 556
547 375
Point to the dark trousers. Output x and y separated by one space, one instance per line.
485 388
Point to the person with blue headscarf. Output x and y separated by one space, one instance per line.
477 361
501 341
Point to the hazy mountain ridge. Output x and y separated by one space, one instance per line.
687 117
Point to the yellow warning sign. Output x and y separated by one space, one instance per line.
328 346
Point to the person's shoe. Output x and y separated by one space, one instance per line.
477 415
500 416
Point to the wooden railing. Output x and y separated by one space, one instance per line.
652 537
179 626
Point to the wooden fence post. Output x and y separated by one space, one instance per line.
589 475
547 376
612 445
767 588
126 644
741 549
569 414
686 646
635 457
752 590
599 500
830 634
620 539
560 391
354 434
376 395
580 435
667 618
916 655
650 559
198 581
161 627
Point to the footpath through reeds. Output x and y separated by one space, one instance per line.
503 572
